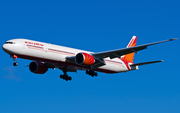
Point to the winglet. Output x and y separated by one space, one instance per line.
130 57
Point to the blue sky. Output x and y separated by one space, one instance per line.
93 25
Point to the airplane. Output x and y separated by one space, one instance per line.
45 56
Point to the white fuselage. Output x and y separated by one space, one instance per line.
55 54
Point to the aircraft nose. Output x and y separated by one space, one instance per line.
3 47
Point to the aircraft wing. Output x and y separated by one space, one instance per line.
120 52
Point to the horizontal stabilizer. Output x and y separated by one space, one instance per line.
145 63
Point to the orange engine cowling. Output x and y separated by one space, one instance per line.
38 67
84 58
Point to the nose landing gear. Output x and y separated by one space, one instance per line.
14 58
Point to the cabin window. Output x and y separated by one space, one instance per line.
9 42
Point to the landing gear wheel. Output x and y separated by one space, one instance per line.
96 74
87 71
65 77
91 73
70 78
61 76
15 64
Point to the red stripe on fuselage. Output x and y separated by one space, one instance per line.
71 54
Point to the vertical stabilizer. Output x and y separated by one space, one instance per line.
130 57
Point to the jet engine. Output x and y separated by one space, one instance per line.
85 59
38 67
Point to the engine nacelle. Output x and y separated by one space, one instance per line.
84 58
38 67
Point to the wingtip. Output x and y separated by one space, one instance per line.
161 60
173 39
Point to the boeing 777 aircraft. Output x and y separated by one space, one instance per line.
67 59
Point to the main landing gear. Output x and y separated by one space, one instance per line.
65 76
14 58
91 73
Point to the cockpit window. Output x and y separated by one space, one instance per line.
9 43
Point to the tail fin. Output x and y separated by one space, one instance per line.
130 57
